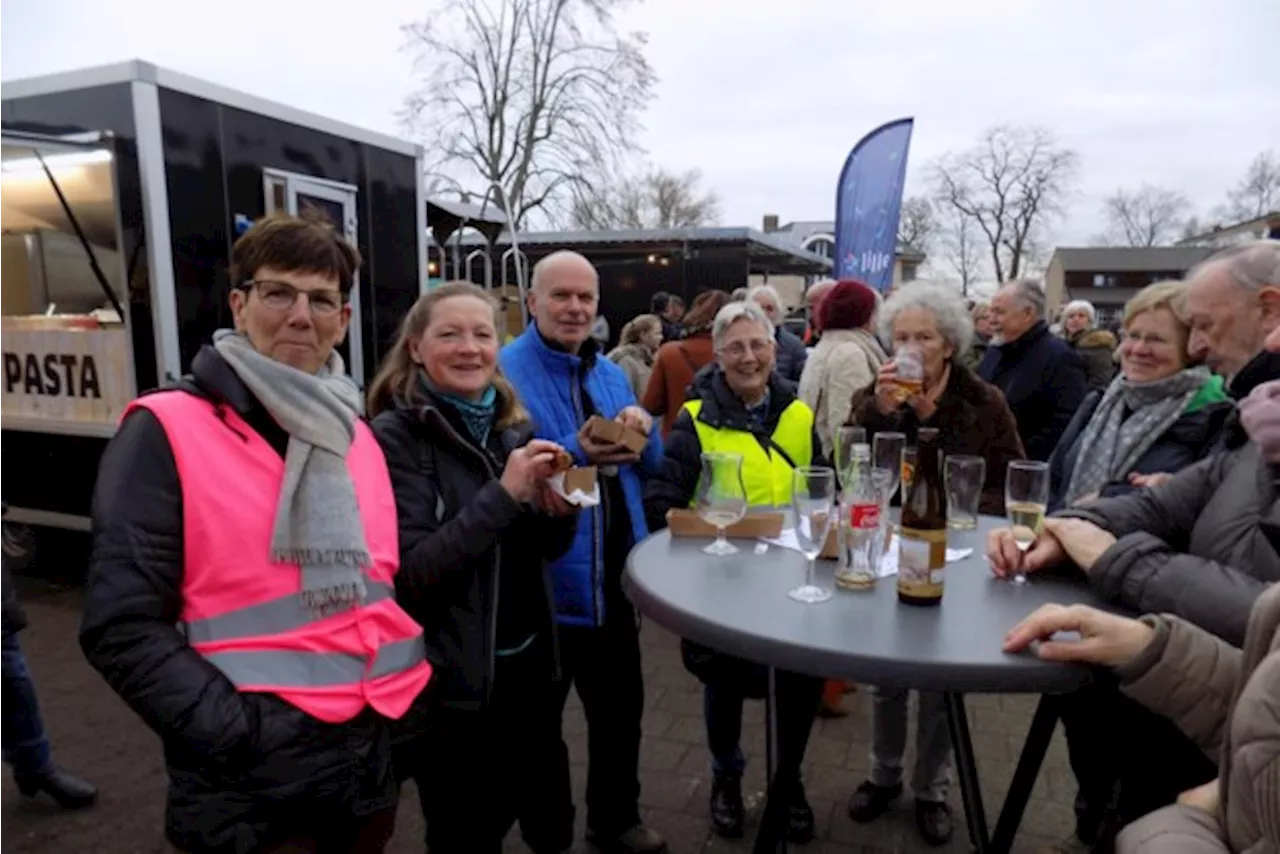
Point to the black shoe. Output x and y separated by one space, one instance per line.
67 790
870 801
800 819
634 840
933 819
727 812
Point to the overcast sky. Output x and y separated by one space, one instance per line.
767 97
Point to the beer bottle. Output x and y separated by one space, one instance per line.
922 554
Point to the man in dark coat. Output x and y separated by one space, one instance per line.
791 354
1042 376
26 744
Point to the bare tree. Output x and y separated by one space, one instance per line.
1258 191
526 96
1009 186
1147 216
916 224
961 249
655 198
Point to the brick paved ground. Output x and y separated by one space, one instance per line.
97 736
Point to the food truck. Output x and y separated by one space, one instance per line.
124 187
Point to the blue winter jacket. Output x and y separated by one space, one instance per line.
549 383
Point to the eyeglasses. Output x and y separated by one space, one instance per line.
281 296
737 349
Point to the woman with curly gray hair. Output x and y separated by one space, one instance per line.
974 420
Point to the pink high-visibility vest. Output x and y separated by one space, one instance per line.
244 613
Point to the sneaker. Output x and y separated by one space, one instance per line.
634 840
933 820
800 821
870 801
727 813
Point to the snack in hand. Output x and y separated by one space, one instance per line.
563 460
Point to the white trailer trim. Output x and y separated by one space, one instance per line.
145 72
155 215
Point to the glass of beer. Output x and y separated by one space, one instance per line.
909 367
1026 497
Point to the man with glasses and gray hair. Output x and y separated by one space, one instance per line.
1042 376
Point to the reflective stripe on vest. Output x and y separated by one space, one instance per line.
268 618
766 475
245 613
295 669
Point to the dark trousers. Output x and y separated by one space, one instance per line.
1127 759
481 771
604 664
26 746
796 704
367 834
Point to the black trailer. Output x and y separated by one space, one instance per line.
124 187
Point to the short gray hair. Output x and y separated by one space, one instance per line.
732 313
1029 292
766 290
1081 305
1252 265
947 307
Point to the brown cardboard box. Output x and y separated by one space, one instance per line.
606 430
580 478
687 523
831 548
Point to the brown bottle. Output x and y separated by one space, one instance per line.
922 555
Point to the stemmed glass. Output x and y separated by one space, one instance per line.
813 497
1026 497
722 497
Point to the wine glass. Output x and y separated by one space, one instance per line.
886 453
813 496
1026 497
722 497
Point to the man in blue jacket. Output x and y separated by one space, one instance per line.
561 377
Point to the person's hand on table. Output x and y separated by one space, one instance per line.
1104 638
1006 558
1207 797
635 418
1084 542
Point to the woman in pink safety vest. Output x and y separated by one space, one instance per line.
241 589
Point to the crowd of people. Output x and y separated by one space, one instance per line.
312 597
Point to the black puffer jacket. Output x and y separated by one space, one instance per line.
12 617
461 536
239 763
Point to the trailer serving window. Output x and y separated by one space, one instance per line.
67 355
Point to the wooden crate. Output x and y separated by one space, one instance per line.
56 373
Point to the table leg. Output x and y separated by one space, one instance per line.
975 815
1024 775
771 837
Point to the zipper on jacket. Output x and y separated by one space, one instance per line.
597 514
491 659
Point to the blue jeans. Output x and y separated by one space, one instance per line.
26 746
796 705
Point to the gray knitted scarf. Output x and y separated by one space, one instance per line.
1128 421
317 524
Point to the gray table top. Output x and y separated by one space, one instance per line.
739 605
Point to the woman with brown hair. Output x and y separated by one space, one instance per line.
640 340
472 497
678 361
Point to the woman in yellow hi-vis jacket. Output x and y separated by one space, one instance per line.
739 405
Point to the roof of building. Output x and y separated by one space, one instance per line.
802 230
1265 223
1115 259
783 253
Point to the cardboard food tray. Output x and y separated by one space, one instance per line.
605 430
580 478
687 523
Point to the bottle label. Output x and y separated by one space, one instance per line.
922 560
864 516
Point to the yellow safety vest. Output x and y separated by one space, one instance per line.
766 474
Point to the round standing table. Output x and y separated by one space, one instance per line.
739 605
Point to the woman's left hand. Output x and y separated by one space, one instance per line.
923 406
1207 797
547 501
